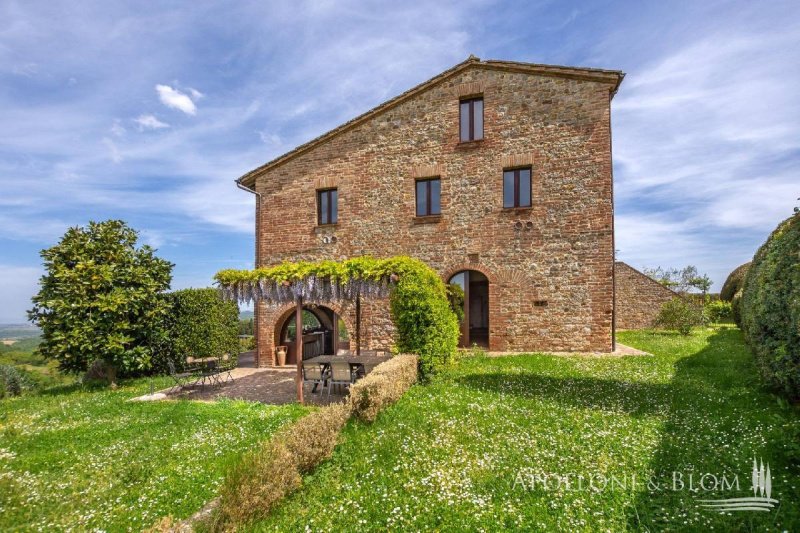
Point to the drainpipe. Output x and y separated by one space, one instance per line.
256 263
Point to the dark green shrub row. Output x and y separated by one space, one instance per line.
770 307
199 324
734 282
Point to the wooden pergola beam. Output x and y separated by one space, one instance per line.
298 347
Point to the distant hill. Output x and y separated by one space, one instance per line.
19 331
246 315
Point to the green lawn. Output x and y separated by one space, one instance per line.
453 455
89 460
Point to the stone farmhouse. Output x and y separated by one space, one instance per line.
497 174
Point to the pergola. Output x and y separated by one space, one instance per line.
311 289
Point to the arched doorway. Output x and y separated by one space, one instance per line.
475 324
324 333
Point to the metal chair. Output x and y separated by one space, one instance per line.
226 366
181 379
340 374
212 372
313 373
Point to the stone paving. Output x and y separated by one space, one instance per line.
266 385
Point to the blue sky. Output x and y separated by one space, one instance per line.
149 111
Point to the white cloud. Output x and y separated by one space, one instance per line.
175 99
196 95
113 151
150 122
118 129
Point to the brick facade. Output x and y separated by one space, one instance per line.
559 251
638 298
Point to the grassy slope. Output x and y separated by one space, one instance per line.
40 371
447 455
90 459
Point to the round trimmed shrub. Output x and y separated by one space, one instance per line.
679 314
200 324
770 307
733 283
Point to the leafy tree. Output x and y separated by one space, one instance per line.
100 302
680 279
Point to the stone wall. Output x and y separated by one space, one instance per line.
559 251
638 298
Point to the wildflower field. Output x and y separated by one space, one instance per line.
464 452
81 459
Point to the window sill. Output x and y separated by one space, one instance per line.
521 209
323 227
469 144
428 219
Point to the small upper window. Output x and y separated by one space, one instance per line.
327 206
517 188
429 195
471 123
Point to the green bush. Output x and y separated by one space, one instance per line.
734 283
680 315
770 307
200 324
718 311
247 344
13 381
456 296
101 300
426 325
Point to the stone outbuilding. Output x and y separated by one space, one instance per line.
638 297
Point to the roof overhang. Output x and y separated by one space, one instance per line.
613 78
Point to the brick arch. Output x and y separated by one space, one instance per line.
285 311
496 336
450 272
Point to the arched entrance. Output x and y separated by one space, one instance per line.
324 333
475 324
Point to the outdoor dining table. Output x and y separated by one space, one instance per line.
207 365
326 360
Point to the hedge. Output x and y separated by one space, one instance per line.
733 283
382 387
770 307
200 324
266 475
